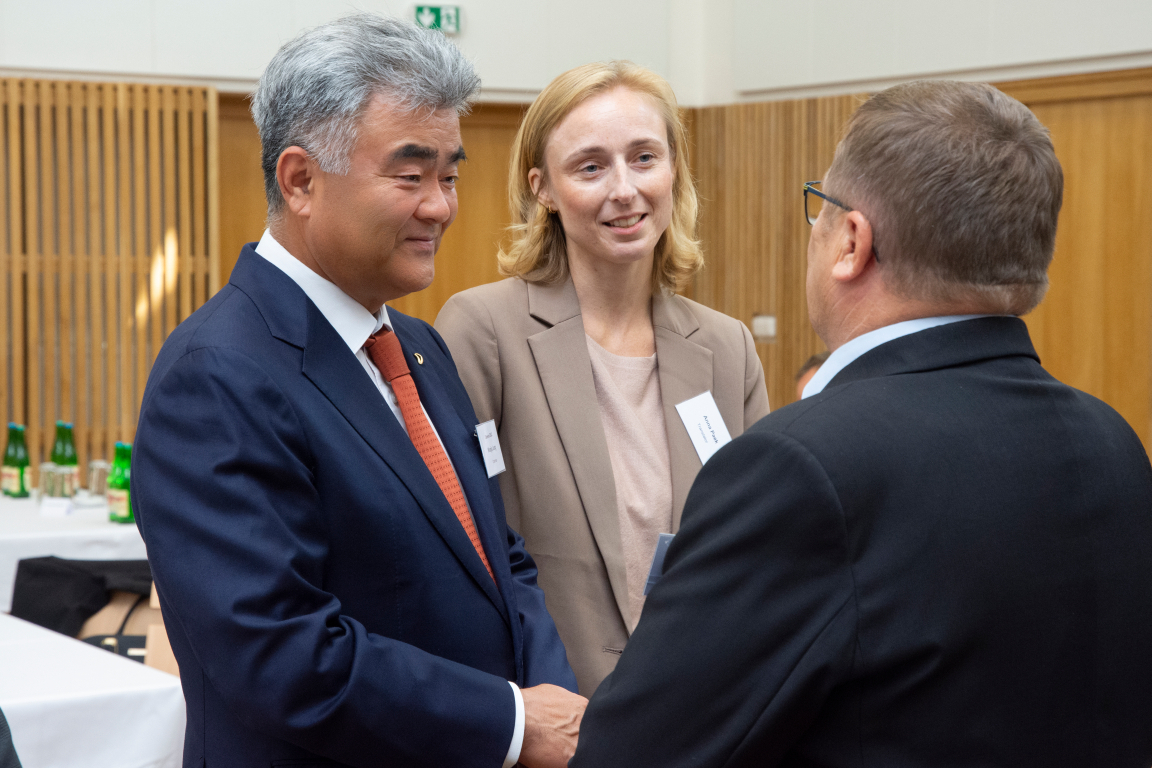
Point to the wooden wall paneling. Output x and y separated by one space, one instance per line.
154 252
167 233
19 253
96 204
34 252
77 256
141 247
9 280
751 161
184 174
243 206
126 123
50 277
95 267
61 202
198 230
102 186
212 157
1094 328
1094 85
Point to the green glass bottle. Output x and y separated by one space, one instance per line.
119 476
64 455
15 477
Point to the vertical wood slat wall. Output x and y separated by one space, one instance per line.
108 239
750 162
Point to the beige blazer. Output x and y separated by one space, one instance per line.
521 351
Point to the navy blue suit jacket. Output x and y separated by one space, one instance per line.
322 599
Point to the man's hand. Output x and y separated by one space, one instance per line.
552 718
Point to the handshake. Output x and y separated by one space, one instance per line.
552 718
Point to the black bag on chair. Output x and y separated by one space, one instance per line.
61 594
128 646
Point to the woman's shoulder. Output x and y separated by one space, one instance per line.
490 295
711 323
497 309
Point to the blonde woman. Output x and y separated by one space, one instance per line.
583 353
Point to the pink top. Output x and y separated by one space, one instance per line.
632 412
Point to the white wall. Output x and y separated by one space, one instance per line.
712 51
788 49
518 45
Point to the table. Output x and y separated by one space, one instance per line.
71 705
85 535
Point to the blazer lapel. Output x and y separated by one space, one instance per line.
685 370
331 366
458 440
561 356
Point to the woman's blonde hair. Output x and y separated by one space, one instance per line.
538 251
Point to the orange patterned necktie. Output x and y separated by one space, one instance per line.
384 349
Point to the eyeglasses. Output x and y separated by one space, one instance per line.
812 208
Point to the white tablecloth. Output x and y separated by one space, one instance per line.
86 535
70 705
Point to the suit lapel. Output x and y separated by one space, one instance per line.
565 370
685 370
331 366
457 438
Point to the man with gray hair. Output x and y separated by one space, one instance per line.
325 531
940 556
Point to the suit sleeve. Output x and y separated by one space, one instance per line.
755 392
236 535
545 660
751 626
466 326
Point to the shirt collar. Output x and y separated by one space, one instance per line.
866 342
352 322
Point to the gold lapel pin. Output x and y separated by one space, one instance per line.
419 357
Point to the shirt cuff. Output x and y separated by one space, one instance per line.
518 731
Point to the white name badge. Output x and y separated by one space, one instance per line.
53 506
490 447
705 426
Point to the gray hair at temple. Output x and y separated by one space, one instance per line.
317 86
962 187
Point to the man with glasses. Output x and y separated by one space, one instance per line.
940 556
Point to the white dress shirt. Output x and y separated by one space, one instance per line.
866 342
354 324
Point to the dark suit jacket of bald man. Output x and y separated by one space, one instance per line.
943 559
322 599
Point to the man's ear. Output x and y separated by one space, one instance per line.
855 252
539 188
294 172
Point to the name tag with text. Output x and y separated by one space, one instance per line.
705 425
490 447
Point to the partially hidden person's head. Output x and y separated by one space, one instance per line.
962 190
578 182
806 371
359 127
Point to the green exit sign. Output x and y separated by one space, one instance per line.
445 18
